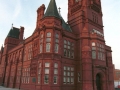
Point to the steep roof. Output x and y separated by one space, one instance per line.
65 25
14 33
52 10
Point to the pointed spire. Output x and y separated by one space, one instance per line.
52 10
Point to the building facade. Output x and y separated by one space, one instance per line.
59 55
117 78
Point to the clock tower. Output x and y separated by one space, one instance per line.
94 60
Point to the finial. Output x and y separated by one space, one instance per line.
12 25
59 10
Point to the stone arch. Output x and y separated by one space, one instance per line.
100 80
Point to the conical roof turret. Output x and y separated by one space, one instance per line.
52 10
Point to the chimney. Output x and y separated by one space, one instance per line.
21 33
40 11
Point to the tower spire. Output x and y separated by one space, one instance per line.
52 10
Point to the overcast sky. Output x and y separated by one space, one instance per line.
23 13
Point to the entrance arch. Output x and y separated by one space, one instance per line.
98 81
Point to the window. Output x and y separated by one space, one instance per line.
55 78
68 49
46 77
47 64
101 52
41 43
56 48
56 43
18 75
98 51
68 75
95 17
93 50
46 70
41 48
48 47
39 71
30 52
25 54
48 34
26 75
48 42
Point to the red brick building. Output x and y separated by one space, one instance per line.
59 55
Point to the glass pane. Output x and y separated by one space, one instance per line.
48 39
56 48
68 80
72 73
65 52
55 79
47 64
55 71
64 73
68 73
93 48
72 80
93 43
64 80
68 68
57 36
93 54
55 65
46 71
40 48
65 46
48 47
64 68
68 47
72 69
46 79
68 43
48 34
65 42
57 40
39 71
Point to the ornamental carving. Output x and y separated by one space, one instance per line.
85 54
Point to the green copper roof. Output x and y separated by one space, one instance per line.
52 10
14 33
65 25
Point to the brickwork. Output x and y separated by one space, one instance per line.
59 55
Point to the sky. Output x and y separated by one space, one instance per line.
23 13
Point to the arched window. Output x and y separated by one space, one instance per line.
98 82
